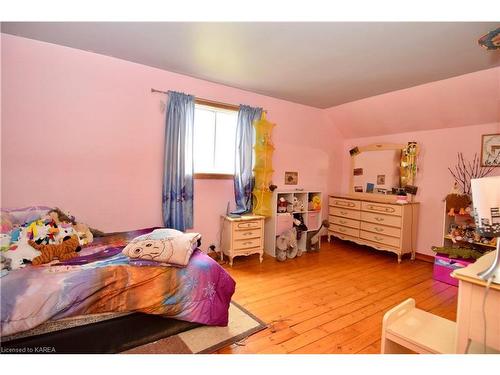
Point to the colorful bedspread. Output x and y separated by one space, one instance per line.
104 280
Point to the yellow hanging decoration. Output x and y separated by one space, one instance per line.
263 171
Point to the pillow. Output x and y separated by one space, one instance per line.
164 246
27 214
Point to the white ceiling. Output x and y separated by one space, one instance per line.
317 64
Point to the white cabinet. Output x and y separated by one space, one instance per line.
280 222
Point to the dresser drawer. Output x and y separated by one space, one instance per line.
245 244
247 224
394 221
350 214
248 233
381 229
343 236
391 241
344 230
389 209
344 221
344 203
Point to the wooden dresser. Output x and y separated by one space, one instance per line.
383 226
242 236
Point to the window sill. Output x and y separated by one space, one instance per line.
213 176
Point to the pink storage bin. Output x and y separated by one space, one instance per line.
313 220
283 223
444 266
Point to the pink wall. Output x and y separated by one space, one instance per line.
438 151
444 117
82 131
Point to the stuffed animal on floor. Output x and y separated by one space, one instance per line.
66 250
286 245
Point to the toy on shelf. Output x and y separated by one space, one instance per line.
282 205
315 203
297 204
263 170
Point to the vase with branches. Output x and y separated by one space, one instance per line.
465 171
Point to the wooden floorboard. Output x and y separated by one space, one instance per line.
331 301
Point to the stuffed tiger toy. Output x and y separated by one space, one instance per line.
66 250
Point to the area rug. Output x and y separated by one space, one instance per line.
206 339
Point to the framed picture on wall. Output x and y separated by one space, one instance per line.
490 150
291 178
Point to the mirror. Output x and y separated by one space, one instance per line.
383 168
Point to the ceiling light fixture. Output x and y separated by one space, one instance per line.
491 41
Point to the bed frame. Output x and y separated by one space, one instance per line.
105 337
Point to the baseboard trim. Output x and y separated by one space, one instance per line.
424 257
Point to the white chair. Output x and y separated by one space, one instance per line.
406 329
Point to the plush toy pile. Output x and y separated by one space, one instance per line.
26 233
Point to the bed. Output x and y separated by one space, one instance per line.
105 287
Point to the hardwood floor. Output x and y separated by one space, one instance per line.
331 301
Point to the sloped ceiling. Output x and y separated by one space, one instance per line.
317 64
469 99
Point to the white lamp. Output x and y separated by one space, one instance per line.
486 202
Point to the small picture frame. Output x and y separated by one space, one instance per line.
381 179
490 150
354 151
291 178
358 171
358 189
369 187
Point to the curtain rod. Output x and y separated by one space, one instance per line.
208 102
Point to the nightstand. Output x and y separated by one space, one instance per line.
242 236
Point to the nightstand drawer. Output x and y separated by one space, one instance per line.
351 214
344 203
394 221
249 251
247 224
391 241
245 244
344 221
344 230
245 234
389 209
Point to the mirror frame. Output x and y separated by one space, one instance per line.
374 196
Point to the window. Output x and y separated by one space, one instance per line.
214 141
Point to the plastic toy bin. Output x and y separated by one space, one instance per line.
284 222
313 220
444 266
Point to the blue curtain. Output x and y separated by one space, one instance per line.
243 179
178 171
